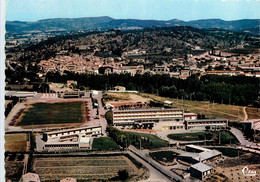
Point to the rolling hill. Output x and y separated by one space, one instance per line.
105 22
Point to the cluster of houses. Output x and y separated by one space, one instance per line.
218 64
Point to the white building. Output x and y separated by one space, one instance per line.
201 124
74 138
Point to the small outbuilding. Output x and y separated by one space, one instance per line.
200 171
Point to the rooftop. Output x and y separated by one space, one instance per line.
201 167
149 109
206 120
198 148
72 129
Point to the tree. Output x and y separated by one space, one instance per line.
123 174
207 127
108 117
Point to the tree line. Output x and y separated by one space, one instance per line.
237 90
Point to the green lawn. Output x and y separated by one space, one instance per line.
164 156
191 136
210 110
225 137
104 143
53 113
148 141
230 152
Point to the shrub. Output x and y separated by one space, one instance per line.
123 175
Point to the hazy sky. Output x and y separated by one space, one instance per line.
32 10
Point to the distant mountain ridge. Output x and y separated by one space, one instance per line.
106 22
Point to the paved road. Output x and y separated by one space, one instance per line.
240 136
102 120
246 116
102 112
155 175
163 169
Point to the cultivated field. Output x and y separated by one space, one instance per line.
14 167
53 113
232 167
17 142
82 168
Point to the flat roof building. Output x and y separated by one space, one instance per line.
189 116
74 138
147 115
62 134
200 124
195 148
251 124
197 154
200 170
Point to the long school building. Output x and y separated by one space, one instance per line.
165 119
74 138
62 134
149 115
201 124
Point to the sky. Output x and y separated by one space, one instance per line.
33 10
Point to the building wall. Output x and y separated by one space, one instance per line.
86 131
195 173
131 116
201 124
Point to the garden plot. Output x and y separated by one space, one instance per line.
17 142
82 168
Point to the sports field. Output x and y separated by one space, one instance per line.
53 113
82 168
17 142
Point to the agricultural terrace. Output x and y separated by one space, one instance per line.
83 168
104 143
53 113
164 156
17 142
225 137
14 167
232 167
211 110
